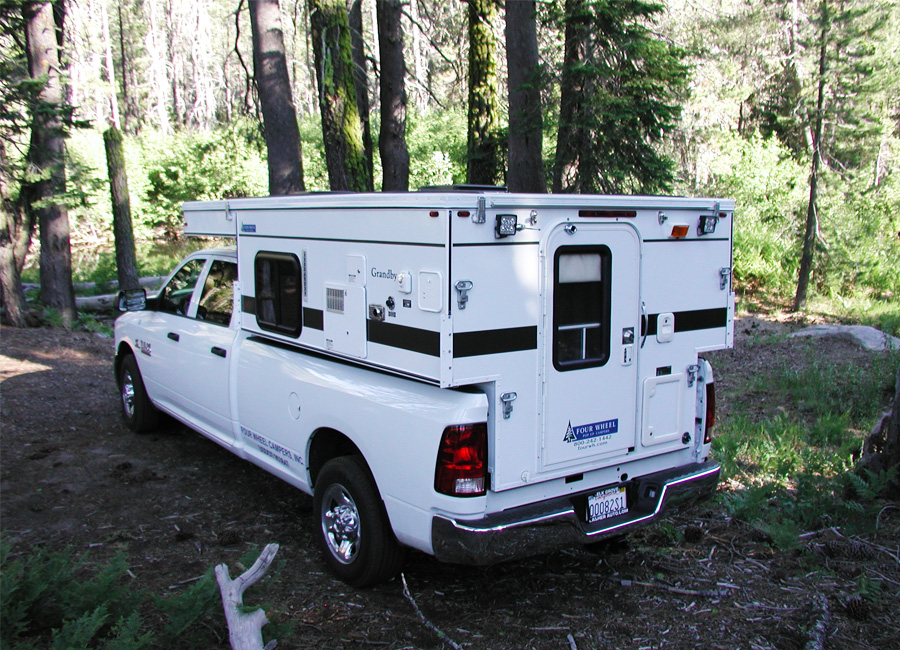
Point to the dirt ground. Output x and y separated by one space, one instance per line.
74 476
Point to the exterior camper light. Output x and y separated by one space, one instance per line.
679 230
707 225
506 225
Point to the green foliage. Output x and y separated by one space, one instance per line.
621 88
437 148
62 601
221 164
189 607
795 470
57 596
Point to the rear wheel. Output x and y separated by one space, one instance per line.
354 532
137 409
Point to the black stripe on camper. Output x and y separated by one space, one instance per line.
312 318
403 337
476 344
689 321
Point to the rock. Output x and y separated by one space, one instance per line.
862 335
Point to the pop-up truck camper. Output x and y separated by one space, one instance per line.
476 374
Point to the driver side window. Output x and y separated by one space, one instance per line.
175 297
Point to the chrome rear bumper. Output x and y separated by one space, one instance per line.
558 523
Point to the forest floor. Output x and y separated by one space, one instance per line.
176 504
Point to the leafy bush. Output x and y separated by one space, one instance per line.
220 164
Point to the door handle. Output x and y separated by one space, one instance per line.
219 352
175 337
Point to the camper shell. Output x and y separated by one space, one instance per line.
569 327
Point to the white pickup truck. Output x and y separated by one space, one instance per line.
475 374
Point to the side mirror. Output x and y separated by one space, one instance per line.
132 300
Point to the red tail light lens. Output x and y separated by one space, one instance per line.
710 412
462 461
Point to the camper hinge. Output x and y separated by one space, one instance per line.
508 399
463 287
692 371
724 276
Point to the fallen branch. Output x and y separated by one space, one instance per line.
819 632
245 629
431 626
705 593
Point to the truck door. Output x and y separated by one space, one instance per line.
191 341
591 339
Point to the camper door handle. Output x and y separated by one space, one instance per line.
463 287
219 352
175 337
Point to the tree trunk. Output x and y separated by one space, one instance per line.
392 139
525 172
15 225
572 92
341 129
110 68
46 155
274 87
126 260
484 165
361 81
812 215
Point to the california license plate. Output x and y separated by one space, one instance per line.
606 504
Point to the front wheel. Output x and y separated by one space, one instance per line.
354 532
139 413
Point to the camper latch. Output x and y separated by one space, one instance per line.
507 399
463 287
692 371
480 215
724 276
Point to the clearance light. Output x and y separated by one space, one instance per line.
679 231
461 469
463 213
434 213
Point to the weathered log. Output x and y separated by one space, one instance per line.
245 628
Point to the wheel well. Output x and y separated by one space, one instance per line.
325 445
123 351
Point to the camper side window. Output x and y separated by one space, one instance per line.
279 291
581 304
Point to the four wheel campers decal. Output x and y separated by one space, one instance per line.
588 436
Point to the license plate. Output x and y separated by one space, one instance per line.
606 504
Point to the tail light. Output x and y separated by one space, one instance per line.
710 411
462 461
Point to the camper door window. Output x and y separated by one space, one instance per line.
581 305
279 291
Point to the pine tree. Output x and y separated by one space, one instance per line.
619 92
840 126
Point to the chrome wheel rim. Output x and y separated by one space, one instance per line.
128 394
340 523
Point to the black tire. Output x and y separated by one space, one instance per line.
137 409
354 533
